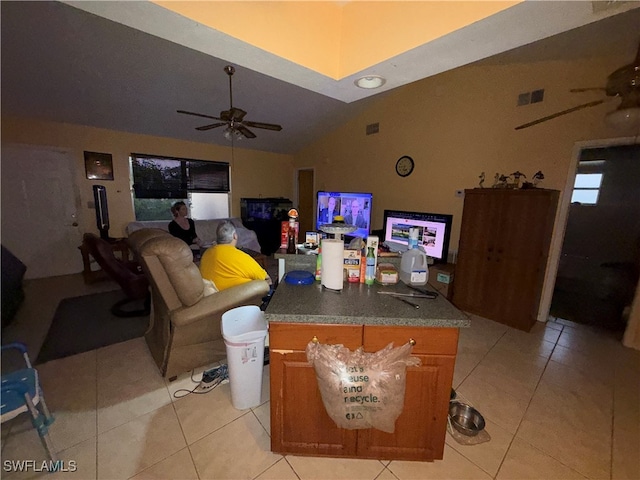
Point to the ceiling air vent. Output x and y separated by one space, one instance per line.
600 6
535 96
373 128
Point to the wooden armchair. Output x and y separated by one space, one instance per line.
129 276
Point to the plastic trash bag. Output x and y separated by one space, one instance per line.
359 389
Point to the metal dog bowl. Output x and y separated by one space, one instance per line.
465 419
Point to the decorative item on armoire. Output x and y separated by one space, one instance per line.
537 177
481 177
516 179
500 181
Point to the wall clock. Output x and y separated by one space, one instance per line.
404 166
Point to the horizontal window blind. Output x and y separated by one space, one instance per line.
212 177
162 177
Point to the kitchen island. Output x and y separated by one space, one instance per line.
360 316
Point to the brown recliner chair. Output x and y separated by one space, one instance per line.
185 331
129 276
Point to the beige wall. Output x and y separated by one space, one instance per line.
458 124
253 173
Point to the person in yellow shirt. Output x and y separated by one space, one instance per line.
227 266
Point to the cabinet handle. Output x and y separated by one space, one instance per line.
412 342
315 339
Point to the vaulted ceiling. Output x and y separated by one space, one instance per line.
129 66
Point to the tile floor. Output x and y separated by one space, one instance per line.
561 402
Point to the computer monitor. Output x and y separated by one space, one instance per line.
434 231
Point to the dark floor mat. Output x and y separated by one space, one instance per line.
81 324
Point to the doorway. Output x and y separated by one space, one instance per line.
305 200
40 207
600 258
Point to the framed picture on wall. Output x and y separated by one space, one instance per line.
99 166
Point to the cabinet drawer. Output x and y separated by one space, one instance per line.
296 336
431 341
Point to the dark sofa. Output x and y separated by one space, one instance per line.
13 271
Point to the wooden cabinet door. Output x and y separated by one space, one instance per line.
299 421
480 216
472 282
525 225
421 427
504 243
477 251
520 259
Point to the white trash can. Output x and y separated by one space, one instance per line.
244 330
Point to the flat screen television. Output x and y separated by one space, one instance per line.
434 231
354 207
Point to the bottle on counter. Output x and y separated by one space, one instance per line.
291 239
370 272
319 262
292 234
413 237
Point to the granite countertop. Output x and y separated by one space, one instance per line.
360 304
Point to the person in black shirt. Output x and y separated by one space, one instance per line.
182 227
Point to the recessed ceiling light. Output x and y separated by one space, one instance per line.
370 81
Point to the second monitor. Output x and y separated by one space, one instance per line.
434 231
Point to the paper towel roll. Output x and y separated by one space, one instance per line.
332 263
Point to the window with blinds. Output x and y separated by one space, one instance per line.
158 182
162 177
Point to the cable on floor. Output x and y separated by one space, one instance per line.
210 380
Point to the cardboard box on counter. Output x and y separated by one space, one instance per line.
441 278
284 233
352 259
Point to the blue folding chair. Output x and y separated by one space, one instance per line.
21 392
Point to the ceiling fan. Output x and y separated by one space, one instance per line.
623 83
233 118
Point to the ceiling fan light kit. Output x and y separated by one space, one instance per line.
233 119
624 119
232 134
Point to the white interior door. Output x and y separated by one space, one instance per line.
40 204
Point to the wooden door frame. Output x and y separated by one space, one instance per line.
296 193
562 216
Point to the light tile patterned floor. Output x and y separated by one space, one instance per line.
561 402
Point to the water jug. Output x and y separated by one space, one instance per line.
413 267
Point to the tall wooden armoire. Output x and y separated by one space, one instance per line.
502 255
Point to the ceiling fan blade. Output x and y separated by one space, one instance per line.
209 127
198 114
558 114
588 89
266 126
245 131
